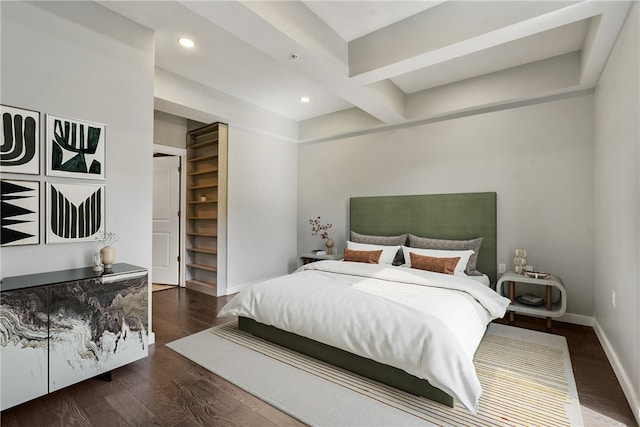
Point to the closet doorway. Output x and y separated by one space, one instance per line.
167 240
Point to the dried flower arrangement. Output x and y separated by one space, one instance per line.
107 238
317 227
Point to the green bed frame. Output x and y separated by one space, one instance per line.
368 368
461 216
443 216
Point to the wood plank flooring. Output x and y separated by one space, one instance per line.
168 390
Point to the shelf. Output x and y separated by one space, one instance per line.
202 286
533 310
203 172
202 234
199 159
200 187
509 279
192 202
206 148
204 143
197 133
203 267
203 251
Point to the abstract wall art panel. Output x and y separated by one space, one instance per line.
75 212
19 212
75 148
20 141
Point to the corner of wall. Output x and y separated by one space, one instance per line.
618 369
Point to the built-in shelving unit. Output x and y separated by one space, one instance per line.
206 165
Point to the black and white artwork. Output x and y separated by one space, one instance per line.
75 212
75 148
20 212
20 141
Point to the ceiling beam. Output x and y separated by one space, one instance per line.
601 36
281 28
366 68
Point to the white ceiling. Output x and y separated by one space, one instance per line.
377 59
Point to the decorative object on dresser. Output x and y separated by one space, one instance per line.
520 260
107 252
20 212
20 141
55 338
206 200
318 227
528 303
75 148
108 257
97 262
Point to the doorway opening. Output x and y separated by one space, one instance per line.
168 222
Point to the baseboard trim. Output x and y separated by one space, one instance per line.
621 375
577 319
151 339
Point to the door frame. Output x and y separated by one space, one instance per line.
182 154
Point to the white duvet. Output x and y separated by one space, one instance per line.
427 324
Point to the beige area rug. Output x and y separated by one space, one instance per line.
526 378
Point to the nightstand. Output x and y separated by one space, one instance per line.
547 310
311 257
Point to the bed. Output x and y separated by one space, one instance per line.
412 329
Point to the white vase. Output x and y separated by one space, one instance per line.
108 256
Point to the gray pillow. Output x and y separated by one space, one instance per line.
382 240
379 240
451 245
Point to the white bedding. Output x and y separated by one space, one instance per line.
427 324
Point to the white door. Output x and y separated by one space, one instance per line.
166 221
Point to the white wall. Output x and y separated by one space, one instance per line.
80 60
262 179
261 238
617 208
169 130
538 158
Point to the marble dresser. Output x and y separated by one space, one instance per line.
62 327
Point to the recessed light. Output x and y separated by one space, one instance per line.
305 99
186 42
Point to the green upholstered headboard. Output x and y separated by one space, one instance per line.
442 216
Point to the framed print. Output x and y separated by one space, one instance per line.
20 212
20 141
75 148
74 212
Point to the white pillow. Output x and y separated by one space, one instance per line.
438 253
388 252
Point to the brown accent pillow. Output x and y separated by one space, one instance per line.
371 239
370 257
451 245
437 265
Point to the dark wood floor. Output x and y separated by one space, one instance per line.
168 390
